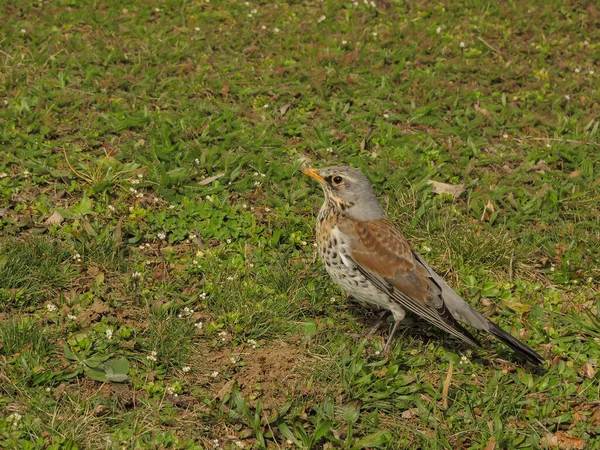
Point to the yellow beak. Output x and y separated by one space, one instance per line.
313 173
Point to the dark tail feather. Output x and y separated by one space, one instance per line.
516 345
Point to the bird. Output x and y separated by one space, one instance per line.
366 255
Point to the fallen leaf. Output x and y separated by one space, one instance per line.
561 441
55 219
284 108
517 306
482 111
118 233
410 413
446 387
567 442
491 445
589 370
99 279
574 174
226 389
211 179
444 188
488 211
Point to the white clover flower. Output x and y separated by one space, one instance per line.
191 236
567 97
239 444
244 206
199 325
186 369
263 27
215 441
215 374
267 209
110 208
15 417
464 360
252 343
257 183
505 136
276 30
161 236
577 70
23 30
203 295
321 19
71 316
196 29
330 150
169 390
386 116
109 333
228 241
344 42
461 45
374 33
152 356
171 206
51 307
438 30
229 278
3 175
136 276
134 181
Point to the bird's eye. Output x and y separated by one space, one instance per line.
337 179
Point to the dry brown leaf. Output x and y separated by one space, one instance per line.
491 445
482 111
55 219
574 174
589 370
488 211
209 180
410 413
284 108
562 442
446 387
444 188
226 389
118 233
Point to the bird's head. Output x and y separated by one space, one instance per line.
347 189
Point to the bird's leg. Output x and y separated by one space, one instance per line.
399 315
375 327
388 344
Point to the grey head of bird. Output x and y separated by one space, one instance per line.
348 190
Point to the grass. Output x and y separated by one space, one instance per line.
159 286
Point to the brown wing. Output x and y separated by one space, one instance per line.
384 256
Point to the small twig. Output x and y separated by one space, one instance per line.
570 141
488 45
446 387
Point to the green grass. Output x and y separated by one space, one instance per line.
117 117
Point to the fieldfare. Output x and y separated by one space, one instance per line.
370 259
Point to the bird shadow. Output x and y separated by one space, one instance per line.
379 322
